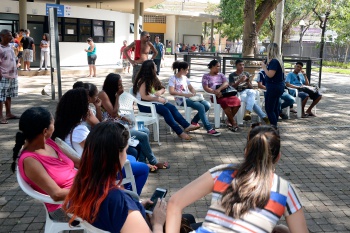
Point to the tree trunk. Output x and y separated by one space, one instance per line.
346 53
249 33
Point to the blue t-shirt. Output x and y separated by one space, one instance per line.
114 211
279 75
159 48
295 79
261 77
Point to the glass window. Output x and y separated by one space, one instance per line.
109 31
98 39
85 30
70 29
70 20
109 23
85 21
98 22
98 31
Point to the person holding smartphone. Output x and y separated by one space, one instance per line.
97 198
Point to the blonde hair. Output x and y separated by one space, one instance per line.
273 52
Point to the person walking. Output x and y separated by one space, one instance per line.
8 76
45 51
91 56
125 61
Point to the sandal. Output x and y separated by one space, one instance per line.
12 117
228 124
162 165
3 121
192 128
152 168
234 128
310 114
305 116
185 136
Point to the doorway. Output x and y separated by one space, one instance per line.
36 32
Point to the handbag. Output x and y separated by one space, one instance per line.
196 98
310 90
228 91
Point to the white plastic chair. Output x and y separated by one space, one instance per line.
51 226
126 104
188 110
299 102
129 175
217 110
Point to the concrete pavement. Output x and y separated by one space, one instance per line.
314 157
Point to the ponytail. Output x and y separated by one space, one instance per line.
251 186
178 65
20 139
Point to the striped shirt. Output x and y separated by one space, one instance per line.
283 201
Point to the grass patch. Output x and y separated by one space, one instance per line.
335 70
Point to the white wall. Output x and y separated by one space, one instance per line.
188 27
171 30
72 53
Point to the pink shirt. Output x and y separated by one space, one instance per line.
60 169
8 66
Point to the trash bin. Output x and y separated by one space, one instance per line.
212 49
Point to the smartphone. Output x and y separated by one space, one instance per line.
159 193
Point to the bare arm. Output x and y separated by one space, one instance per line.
135 223
292 86
297 223
147 97
269 73
107 105
154 50
306 79
160 92
173 92
35 171
261 86
126 49
184 197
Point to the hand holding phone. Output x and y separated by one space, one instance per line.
158 194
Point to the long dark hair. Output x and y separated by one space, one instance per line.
251 186
148 75
178 65
89 87
100 166
71 110
110 86
31 124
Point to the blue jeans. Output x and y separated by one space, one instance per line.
140 171
145 147
202 107
171 116
248 97
288 100
273 94
157 62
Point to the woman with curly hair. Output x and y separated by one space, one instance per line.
97 198
147 87
71 112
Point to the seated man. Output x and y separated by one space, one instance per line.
240 81
288 100
297 79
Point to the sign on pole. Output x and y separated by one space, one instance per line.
54 52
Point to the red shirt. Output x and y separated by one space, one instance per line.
121 51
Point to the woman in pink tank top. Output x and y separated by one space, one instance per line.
41 163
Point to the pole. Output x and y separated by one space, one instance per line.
321 48
301 41
279 24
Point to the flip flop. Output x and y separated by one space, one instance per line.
162 165
305 116
3 121
152 168
234 128
13 117
311 114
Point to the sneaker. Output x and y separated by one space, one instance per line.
214 133
247 116
284 116
195 124
39 69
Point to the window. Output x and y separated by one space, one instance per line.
154 19
70 33
84 29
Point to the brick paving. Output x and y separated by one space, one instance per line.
314 157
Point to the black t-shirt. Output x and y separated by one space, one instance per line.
27 42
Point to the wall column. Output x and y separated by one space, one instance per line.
23 14
136 19
212 36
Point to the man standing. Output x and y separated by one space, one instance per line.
126 62
298 80
141 50
240 80
8 76
160 56
28 45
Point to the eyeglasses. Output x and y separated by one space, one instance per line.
148 36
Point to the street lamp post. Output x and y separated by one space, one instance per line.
323 24
302 26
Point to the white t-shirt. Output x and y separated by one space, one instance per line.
180 85
45 42
79 134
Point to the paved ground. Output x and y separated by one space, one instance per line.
314 158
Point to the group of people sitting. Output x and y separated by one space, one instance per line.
245 197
